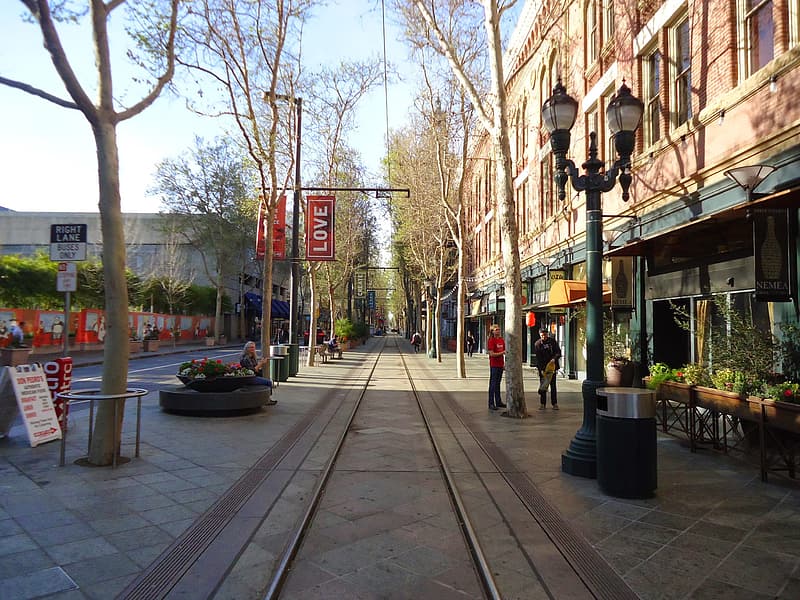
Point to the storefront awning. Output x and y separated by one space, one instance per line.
279 308
568 292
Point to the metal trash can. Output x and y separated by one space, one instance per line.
626 442
280 370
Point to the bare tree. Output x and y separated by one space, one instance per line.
245 50
332 109
207 197
153 28
442 25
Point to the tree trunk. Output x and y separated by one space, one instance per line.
515 387
218 308
312 308
115 346
461 368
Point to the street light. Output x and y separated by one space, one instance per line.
623 115
294 348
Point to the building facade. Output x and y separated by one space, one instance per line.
716 170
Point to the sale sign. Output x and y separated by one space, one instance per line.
320 228
33 398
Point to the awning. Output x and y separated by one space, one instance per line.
568 292
280 308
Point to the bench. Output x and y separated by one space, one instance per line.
325 351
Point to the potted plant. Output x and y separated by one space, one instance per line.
213 375
619 368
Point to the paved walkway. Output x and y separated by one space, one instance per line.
713 529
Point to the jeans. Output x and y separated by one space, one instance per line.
495 376
553 391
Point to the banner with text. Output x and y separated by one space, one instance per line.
278 230
320 228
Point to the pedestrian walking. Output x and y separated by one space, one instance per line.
470 343
496 347
416 340
546 349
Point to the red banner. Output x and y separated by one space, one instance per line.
279 231
319 228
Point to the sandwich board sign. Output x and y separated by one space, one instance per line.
28 386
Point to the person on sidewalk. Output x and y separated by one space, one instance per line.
546 349
497 352
470 344
416 340
249 360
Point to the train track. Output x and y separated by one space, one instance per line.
378 476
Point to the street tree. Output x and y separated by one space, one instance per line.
248 53
207 198
443 24
332 107
152 29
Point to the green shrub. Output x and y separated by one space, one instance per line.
659 373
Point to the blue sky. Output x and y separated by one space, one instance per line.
47 153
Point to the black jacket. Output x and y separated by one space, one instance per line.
545 350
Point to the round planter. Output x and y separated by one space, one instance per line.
216 384
185 401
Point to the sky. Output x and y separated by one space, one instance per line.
47 153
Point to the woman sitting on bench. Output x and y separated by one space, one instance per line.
249 360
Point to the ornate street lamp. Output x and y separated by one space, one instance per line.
623 115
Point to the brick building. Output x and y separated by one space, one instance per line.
718 81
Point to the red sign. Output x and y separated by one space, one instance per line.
59 379
319 228
279 230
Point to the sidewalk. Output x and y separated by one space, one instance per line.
713 529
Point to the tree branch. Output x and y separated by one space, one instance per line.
37 92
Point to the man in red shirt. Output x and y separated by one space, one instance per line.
497 352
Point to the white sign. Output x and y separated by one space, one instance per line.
33 399
67 277
68 242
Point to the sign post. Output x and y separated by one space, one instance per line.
67 281
67 244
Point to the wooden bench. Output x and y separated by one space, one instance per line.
325 351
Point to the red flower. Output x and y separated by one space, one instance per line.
788 393
679 373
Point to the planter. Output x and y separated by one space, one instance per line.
782 415
12 357
675 392
619 373
729 403
217 384
151 345
134 347
211 342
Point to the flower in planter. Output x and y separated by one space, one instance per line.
785 392
205 368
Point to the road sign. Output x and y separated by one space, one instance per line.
68 242
67 277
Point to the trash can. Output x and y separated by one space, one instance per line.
279 370
294 359
626 442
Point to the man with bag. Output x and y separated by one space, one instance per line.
548 353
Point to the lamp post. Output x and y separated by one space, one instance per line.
623 115
294 347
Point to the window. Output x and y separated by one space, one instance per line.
760 31
683 72
591 32
608 21
652 98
